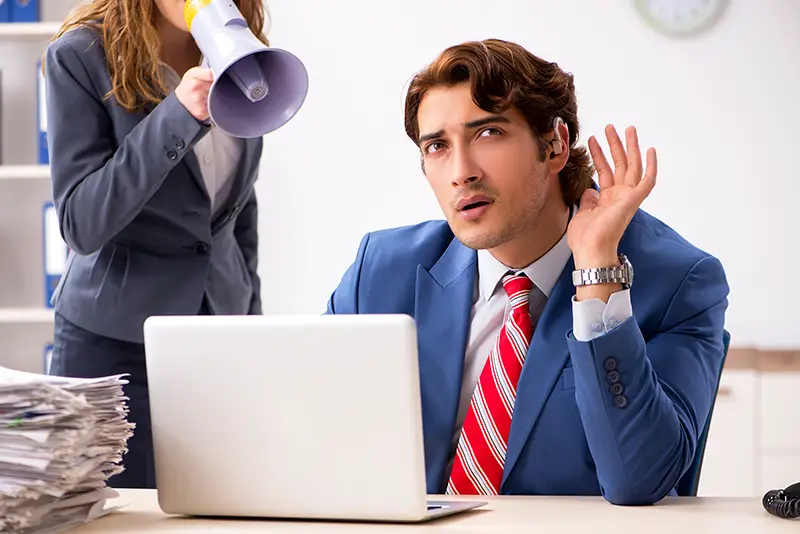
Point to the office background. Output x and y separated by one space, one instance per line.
720 107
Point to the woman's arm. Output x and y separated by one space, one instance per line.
98 190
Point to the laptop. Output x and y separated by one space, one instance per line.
303 417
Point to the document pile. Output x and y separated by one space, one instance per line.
60 440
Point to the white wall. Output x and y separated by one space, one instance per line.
721 109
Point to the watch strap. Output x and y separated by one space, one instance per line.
615 274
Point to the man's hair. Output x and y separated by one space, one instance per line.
132 46
503 75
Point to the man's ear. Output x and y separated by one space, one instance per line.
560 141
559 146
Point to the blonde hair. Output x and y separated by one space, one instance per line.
132 46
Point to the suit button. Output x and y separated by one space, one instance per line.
201 248
610 364
612 377
171 154
179 144
620 401
616 389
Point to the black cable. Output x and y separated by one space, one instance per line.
783 503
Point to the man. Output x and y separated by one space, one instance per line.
536 376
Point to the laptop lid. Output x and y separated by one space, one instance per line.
287 416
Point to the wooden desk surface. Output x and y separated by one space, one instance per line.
528 515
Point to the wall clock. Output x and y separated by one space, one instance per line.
680 17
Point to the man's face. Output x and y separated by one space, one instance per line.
484 169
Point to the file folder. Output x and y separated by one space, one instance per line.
55 252
5 11
24 10
41 117
48 359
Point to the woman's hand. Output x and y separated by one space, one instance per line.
193 90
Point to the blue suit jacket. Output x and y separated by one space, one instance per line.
570 435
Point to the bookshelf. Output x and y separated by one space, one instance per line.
24 172
26 321
28 30
17 316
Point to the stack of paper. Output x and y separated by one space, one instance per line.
60 440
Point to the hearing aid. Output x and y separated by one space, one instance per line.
558 144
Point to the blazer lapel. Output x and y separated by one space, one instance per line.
544 361
444 297
190 160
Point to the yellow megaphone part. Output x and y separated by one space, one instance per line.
191 8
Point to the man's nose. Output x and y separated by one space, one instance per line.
465 169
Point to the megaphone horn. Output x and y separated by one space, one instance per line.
256 89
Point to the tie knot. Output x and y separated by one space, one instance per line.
518 288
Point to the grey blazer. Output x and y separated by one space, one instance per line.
133 208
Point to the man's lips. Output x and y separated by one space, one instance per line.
473 202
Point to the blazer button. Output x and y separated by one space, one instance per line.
610 364
171 154
620 401
179 144
612 377
201 248
616 389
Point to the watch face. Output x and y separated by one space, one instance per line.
627 267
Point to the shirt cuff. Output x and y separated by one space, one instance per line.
593 318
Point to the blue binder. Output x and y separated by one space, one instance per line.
5 11
47 360
55 252
24 10
41 117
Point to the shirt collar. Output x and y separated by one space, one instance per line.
544 272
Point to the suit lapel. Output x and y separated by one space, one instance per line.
245 167
544 361
444 297
190 160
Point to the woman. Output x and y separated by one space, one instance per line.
156 206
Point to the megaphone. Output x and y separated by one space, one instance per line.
256 89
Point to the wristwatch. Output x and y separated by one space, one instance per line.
616 274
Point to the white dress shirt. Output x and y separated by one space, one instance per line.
490 309
217 154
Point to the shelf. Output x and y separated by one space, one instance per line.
29 29
24 172
26 315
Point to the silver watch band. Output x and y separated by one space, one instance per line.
617 274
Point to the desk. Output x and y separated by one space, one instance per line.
503 515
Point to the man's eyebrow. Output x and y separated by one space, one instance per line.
491 119
486 120
432 135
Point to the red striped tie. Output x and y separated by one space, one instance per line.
481 453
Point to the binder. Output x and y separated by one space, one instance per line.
41 117
1 111
5 11
55 252
47 360
24 10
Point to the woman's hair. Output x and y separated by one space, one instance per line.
503 75
130 39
